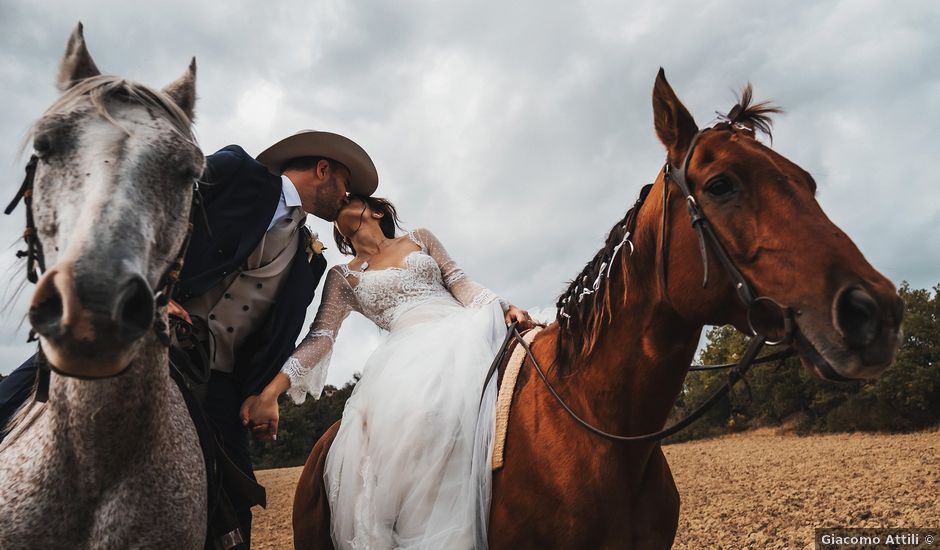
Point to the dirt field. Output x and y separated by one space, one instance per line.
756 490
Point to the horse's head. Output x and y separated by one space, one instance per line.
763 209
111 200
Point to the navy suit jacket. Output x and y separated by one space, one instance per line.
240 197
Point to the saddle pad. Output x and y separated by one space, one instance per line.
504 399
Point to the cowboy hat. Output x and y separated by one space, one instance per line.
363 178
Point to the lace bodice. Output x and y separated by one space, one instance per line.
382 296
385 292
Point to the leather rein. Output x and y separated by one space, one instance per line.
36 260
707 239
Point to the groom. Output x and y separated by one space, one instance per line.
251 276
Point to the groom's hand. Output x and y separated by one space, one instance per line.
260 414
174 308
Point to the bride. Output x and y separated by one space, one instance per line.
409 466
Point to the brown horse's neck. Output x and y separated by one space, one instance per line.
107 423
630 381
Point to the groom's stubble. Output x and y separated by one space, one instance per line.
329 197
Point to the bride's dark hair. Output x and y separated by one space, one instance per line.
388 222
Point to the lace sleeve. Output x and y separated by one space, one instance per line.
467 291
307 366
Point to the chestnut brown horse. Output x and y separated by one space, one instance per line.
628 327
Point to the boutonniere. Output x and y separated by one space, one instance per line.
314 245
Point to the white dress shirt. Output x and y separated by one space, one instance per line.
289 199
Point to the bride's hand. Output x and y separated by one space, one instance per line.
261 414
521 316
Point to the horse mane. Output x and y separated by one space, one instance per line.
97 90
585 307
755 117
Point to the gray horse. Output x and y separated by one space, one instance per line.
111 460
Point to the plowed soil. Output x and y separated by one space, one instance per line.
757 490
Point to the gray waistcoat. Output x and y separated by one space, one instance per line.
238 305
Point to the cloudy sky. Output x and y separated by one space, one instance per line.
519 131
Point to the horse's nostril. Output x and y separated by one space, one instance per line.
90 313
135 308
856 317
46 311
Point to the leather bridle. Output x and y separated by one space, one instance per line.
33 253
707 239
36 260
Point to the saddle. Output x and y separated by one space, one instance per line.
507 372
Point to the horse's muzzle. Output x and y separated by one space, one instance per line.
858 339
87 327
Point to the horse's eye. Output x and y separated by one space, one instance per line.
191 165
191 172
42 145
719 187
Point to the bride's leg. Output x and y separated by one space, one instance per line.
422 486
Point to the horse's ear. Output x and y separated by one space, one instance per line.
674 125
183 90
77 63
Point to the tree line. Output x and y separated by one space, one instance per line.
905 397
300 426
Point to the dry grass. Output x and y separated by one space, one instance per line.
755 490
765 490
271 529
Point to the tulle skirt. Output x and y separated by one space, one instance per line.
409 467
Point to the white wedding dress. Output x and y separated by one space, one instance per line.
409 467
